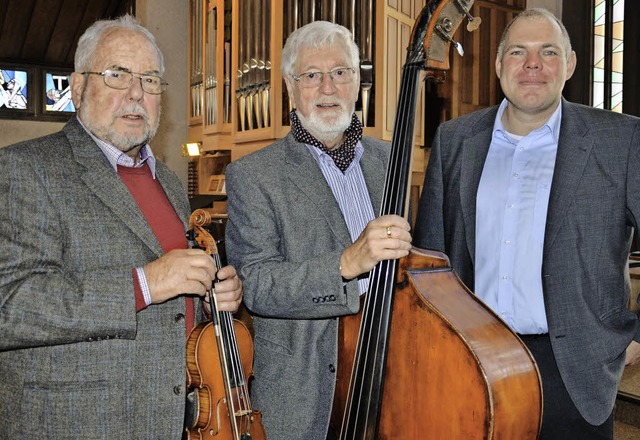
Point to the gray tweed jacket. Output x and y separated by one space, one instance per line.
285 234
76 360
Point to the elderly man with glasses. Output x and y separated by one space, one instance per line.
97 284
304 235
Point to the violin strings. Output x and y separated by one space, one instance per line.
230 343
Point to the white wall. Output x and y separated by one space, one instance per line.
16 130
168 21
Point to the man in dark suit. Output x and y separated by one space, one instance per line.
535 202
94 264
303 234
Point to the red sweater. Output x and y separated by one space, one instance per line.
162 219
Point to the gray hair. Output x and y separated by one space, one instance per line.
532 14
90 39
316 35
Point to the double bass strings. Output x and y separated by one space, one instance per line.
366 380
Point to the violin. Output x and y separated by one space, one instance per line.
219 361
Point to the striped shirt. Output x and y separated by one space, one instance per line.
351 193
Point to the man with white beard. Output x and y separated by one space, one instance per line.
303 232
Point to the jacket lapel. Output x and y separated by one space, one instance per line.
574 149
107 185
305 174
373 169
474 153
175 192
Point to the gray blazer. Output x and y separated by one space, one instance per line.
285 234
76 360
593 206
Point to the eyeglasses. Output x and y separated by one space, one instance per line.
121 79
339 75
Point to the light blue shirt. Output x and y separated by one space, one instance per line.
511 214
351 193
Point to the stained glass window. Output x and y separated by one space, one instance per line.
58 93
608 50
35 92
13 89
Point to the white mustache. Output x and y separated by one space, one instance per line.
134 110
339 103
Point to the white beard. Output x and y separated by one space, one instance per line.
326 131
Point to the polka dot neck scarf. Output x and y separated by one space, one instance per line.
344 154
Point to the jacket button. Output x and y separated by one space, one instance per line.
177 390
179 318
332 368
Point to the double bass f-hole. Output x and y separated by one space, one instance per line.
219 358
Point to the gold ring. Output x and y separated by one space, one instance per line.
388 231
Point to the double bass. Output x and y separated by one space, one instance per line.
219 358
425 358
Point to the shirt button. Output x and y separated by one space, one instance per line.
507 241
179 318
505 277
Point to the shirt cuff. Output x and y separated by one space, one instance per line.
144 287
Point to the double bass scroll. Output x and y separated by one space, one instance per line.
425 358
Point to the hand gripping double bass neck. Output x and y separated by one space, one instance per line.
219 358
425 358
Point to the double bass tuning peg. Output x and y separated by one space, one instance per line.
443 29
474 22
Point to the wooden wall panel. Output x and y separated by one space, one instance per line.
399 24
473 83
392 79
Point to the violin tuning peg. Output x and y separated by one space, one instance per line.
473 23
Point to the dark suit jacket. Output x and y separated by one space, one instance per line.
76 360
593 206
285 235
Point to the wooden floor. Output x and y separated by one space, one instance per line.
627 416
622 431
